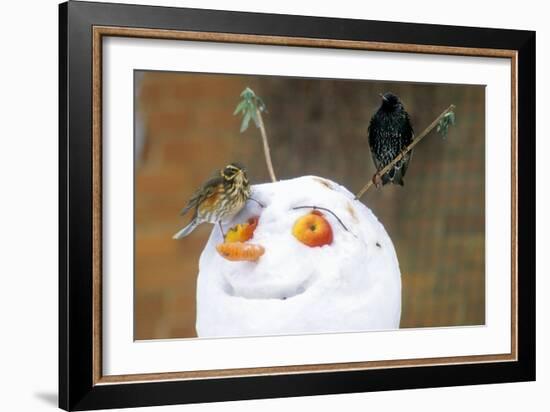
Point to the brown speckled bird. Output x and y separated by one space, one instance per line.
220 198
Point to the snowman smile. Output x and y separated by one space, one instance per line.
269 290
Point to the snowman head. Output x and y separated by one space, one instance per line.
327 265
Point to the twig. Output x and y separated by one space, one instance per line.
266 146
257 201
324 209
416 140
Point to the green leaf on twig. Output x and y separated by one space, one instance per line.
249 106
448 120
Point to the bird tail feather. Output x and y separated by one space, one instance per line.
398 179
186 230
186 209
398 172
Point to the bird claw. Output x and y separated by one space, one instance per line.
377 180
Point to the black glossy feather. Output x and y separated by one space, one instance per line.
390 132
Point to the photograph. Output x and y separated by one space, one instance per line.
274 205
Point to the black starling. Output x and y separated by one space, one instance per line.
390 132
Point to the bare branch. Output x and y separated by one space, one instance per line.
267 152
324 209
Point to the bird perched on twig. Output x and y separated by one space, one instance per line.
220 198
390 132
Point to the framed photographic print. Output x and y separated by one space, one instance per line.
257 205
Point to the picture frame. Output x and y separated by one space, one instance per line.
83 27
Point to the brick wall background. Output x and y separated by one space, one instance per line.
187 131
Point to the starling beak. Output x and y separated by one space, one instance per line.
390 132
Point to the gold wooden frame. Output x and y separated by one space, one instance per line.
101 31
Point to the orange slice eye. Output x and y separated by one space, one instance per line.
313 229
242 231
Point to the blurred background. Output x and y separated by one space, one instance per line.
185 130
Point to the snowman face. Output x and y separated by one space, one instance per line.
319 272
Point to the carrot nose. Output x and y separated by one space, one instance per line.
240 251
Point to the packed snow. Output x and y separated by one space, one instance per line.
353 284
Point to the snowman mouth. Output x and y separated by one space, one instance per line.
266 292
